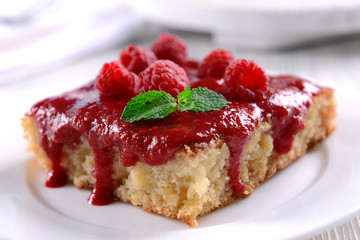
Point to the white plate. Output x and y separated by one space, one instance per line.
318 190
257 23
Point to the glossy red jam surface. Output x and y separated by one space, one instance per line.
62 120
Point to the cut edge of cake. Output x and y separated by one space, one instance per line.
195 181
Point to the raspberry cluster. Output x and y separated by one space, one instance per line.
140 70
166 67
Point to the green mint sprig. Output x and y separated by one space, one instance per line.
159 104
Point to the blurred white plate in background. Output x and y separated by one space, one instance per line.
257 23
63 31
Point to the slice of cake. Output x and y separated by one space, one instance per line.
127 137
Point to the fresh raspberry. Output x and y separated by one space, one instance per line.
137 58
170 47
192 63
215 63
244 79
163 75
191 68
114 79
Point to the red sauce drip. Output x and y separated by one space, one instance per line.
62 120
57 176
103 189
288 102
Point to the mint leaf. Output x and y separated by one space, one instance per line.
149 105
201 100
184 99
159 104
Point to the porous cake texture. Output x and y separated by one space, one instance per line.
195 181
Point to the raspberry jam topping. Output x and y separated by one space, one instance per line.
62 120
94 112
